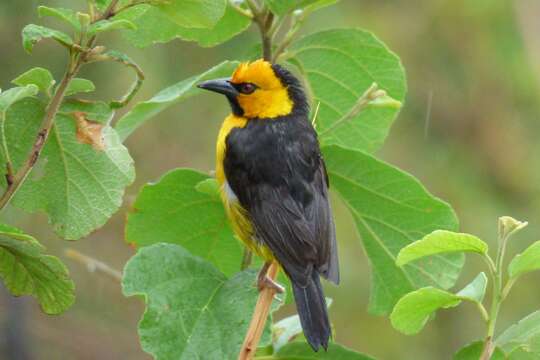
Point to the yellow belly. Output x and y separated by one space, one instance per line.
238 216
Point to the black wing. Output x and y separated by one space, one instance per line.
276 171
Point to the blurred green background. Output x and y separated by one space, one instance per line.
468 131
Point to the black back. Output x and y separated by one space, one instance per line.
275 168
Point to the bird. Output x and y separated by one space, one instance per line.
274 185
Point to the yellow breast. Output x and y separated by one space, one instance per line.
230 123
237 214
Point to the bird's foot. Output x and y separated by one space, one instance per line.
265 282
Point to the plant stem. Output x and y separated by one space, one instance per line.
258 320
241 10
264 19
76 60
496 298
93 264
110 11
289 36
41 138
372 93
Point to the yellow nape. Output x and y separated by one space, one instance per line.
270 100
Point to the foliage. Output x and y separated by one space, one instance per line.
27 271
189 304
413 310
65 157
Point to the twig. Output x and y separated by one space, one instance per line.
297 22
264 20
372 93
110 11
78 58
46 125
240 9
488 349
258 320
93 264
116 57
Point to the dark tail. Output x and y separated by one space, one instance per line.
311 307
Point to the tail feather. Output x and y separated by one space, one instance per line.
311 307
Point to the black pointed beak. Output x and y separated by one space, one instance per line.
222 86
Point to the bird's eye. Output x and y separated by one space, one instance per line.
247 88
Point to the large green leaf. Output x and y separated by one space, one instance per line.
340 65
391 209
474 350
413 310
441 242
27 271
527 261
146 110
193 311
522 334
193 13
282 7
154 27
80 178
34 33
40 77
302 351
174 211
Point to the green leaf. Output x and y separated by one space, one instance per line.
77 183
95 111
340 65
473 351
441 242
283 7
66 15
154 27
526 352
108 25
11 96
527 261
144 111
414 309
27 271
193 13
40 77
77 86
170 211
193 311
302 351
475 290
391 209
521 335
209 187
32 34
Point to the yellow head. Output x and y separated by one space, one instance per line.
260 90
